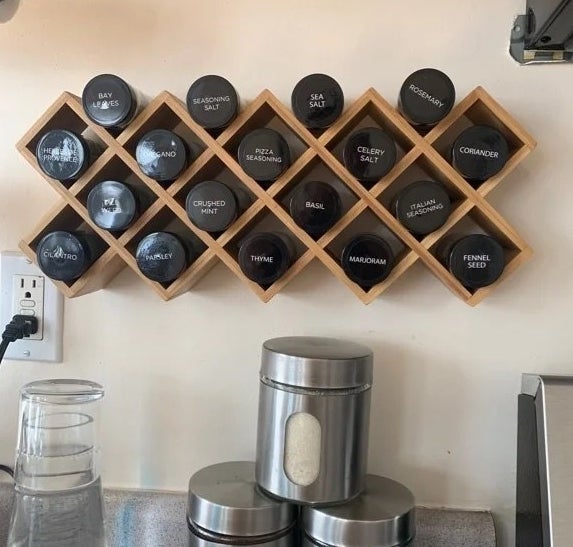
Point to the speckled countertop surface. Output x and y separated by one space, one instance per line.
138 518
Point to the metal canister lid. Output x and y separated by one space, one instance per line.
383 515
314 362
225 499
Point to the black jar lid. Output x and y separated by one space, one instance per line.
317 101
264 257
62 155
212 206
112 205
161 257
315 206
367 260
161 155
427 97
62 256
423 207
369 154
108 100
212 102
480 152
476 260
264 154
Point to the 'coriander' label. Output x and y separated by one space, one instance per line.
491 154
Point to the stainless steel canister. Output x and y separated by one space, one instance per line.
314 414
383 516
227 508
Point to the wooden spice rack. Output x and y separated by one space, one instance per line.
215 158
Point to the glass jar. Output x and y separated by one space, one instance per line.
161 155
264 155
264 257
422 207
315 206
367 260
314 414
162 257
59 499
426 98
476 260
479 153
317 101
64 155
384 515
213 206
212 102
66 256
226 507
110 102
112 205
369 154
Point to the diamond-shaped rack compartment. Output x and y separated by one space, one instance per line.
315 156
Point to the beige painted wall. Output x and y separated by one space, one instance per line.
181 377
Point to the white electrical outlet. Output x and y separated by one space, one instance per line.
25 290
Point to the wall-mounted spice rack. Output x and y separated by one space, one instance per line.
216 159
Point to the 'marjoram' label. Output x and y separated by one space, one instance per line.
60 254
265 155
479 152
262 258
477 261
425 95
370 155
211 102
424 208
317 100
159 256
367 260
209 207
105 101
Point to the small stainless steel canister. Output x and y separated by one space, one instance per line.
227 508
383 516
314 414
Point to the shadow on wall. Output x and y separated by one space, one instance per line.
8 8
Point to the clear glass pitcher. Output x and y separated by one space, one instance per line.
58 500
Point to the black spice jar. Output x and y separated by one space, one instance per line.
112 205
162 257
315 206
264 155
265 257
422 207
64 155
317 101
480 152
384 515
476 260
212 102
367 260
426 97
213 206
110 102
161 155
226 507
65 256
369 154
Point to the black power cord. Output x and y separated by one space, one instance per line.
20 327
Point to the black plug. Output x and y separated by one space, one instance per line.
20 327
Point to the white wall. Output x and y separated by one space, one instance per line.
181 377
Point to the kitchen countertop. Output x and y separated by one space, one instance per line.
139 518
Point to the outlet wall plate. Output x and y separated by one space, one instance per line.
49 348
